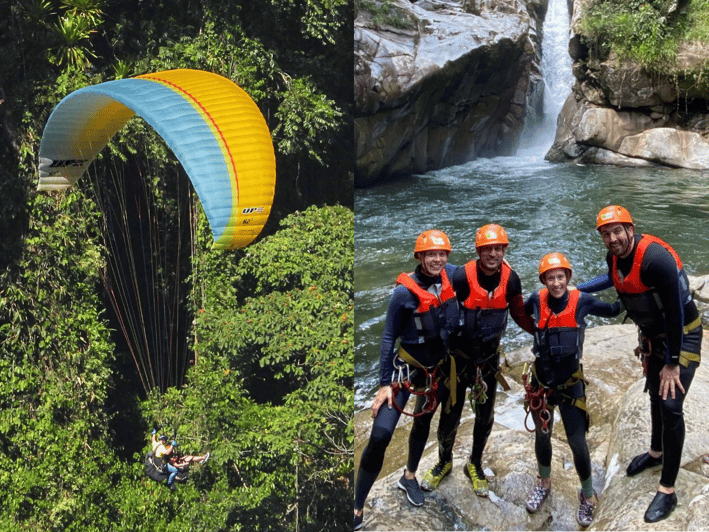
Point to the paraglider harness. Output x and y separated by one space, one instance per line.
536 400
156 469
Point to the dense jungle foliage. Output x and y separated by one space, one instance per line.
650 33
265 333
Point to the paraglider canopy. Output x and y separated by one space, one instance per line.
214 128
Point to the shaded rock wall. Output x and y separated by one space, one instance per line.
451 86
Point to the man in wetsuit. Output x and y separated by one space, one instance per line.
653 286
487 290
422 314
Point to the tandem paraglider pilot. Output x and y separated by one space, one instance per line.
163 452
164 462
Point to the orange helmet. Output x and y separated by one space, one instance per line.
551 261
491 234
432 239
613 214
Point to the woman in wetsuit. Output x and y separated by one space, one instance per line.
422 314
557 376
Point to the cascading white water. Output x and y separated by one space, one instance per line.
556 72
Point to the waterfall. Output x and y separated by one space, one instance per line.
557 76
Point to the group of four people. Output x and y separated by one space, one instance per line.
449 322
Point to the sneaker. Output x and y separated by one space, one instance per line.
433 478
412 489
536 497
477 477
359 521
172 487
586 507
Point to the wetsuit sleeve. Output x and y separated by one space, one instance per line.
516 303
401 306
597 284
531 305
459 280
589 305
659 271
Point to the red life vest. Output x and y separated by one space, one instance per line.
566 318
632 284
558 340
485 313
426 298
436 315
481 298
642 302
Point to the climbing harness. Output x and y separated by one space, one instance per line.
401 380
535 401
642 351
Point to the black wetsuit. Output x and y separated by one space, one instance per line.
472 355
575 419
399 325
672 337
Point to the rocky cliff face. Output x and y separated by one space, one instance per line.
619 114
451 82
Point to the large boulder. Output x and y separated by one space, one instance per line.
620 429
621 114
442 85
667 146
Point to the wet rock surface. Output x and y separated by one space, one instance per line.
448 82
620 114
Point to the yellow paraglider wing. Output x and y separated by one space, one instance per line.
214 128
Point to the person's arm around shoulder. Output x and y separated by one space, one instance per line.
597 284
517 305
597 307
531 304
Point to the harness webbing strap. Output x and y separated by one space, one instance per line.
579 402
452 379
691 326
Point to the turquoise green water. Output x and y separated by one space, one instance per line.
544 207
